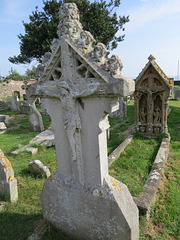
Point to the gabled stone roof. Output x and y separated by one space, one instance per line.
153 63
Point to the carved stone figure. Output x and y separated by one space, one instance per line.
86 41
157 116
143 115
46 58
100 53
114 66
71 120
39 71
54 44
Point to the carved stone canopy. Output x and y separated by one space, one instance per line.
151 99
77 59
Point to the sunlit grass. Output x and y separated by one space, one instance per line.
134 164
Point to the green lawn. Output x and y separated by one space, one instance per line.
134 164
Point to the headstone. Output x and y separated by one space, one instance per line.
25 104
8 184
2 127
15 102
122 110
151 100
176 92
80 87
34 116
37 168
35 119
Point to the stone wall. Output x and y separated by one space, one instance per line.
7 89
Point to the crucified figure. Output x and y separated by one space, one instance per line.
71 118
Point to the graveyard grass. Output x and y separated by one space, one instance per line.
19 219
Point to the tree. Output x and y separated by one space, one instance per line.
97 17
14 75
30 73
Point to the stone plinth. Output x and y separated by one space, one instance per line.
91 213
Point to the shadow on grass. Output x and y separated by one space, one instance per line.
14 226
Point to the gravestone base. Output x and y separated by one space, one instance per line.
86 212
12 189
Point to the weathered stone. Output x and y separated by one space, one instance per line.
121 112
176 92
147 197
2 127
35 120
32 150
15 102
37 168
8 184
81 90
34 116
28 148
45 138
151 100
43 106
5 119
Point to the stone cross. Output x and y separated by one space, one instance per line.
81 86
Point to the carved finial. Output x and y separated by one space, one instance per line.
151 58
69 25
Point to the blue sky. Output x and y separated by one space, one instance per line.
154 28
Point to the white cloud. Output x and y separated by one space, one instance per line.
153 10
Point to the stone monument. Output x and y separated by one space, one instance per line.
15 101
81 88
34 116
8 184
176 93
151 99
122 110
